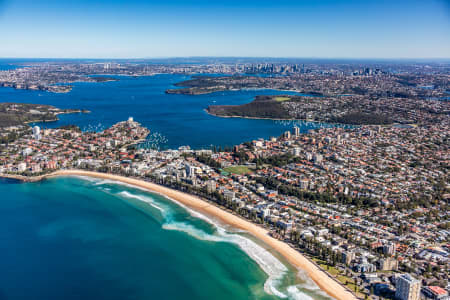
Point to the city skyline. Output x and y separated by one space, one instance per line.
152 29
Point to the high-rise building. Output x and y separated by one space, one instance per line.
388 264
190 171
37 132
408 288
348 257
210 186
296 131
389 248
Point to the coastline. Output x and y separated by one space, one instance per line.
305 120
171 91
25 178
258 118
77 111
275 119
295 258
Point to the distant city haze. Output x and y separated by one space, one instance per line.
173 28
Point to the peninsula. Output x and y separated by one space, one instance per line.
355 110
49 77
335 80
20 114
334 94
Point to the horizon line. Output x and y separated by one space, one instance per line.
232 57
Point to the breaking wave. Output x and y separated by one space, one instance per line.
309 285
274 269
149 200
295 294
268 263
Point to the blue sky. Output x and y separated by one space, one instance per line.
145 29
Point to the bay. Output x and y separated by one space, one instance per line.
80 238
174 120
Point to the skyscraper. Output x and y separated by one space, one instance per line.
287 135
408 288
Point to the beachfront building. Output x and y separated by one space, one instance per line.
211 186
408 288
347 257
364 266
435 293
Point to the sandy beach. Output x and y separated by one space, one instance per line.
327 284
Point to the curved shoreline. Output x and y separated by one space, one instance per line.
262 118
172 91
305 120
295 258
56 119
275 119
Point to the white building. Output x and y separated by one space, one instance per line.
296 151
317 158
229 195
37 132
190 171
27 151
21 167
304 184
210 186
258 144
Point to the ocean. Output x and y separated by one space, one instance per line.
72 238
81 238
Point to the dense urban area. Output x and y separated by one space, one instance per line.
367 203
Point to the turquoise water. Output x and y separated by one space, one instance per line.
74 238
177 119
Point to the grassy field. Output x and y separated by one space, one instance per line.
345 280
238 170
281 99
